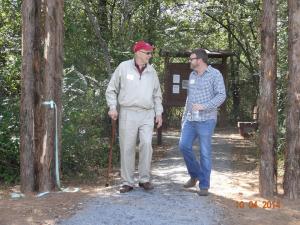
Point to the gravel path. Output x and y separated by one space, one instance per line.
167 204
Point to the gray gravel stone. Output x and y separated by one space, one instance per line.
167 204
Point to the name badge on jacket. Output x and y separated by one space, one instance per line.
130 77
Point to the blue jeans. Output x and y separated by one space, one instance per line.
203 130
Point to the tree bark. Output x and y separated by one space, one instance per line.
27 145
41 81
53 59
267 103
292 152
103 19
39 109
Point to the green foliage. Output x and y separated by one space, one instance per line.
9 140
282 79
85 125
170 25
10 47
10 62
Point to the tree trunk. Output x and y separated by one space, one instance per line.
27 145
103 19
292 152
234 79
236 91
53 59
41 81
267 106
39 109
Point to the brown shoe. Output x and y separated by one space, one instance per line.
190 183
147 186
125 188
203 192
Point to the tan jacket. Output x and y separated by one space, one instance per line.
131 90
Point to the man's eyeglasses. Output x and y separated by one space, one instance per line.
191 59
147 53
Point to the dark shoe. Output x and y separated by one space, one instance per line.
125 188
190 183
147 186
203 192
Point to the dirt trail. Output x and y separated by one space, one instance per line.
233 200
167 204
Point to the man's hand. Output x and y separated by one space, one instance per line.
198 107
159 121
113 114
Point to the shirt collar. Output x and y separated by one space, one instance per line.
208 69
137 66
134 65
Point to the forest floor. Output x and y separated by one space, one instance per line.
233 198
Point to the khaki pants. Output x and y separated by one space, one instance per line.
131 124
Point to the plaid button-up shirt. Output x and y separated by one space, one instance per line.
208 90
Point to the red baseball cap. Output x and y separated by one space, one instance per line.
142 45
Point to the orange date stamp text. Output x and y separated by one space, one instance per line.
258 204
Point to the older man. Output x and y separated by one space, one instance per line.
135 89
206 92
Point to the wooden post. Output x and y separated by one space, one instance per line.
223 121
160 130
